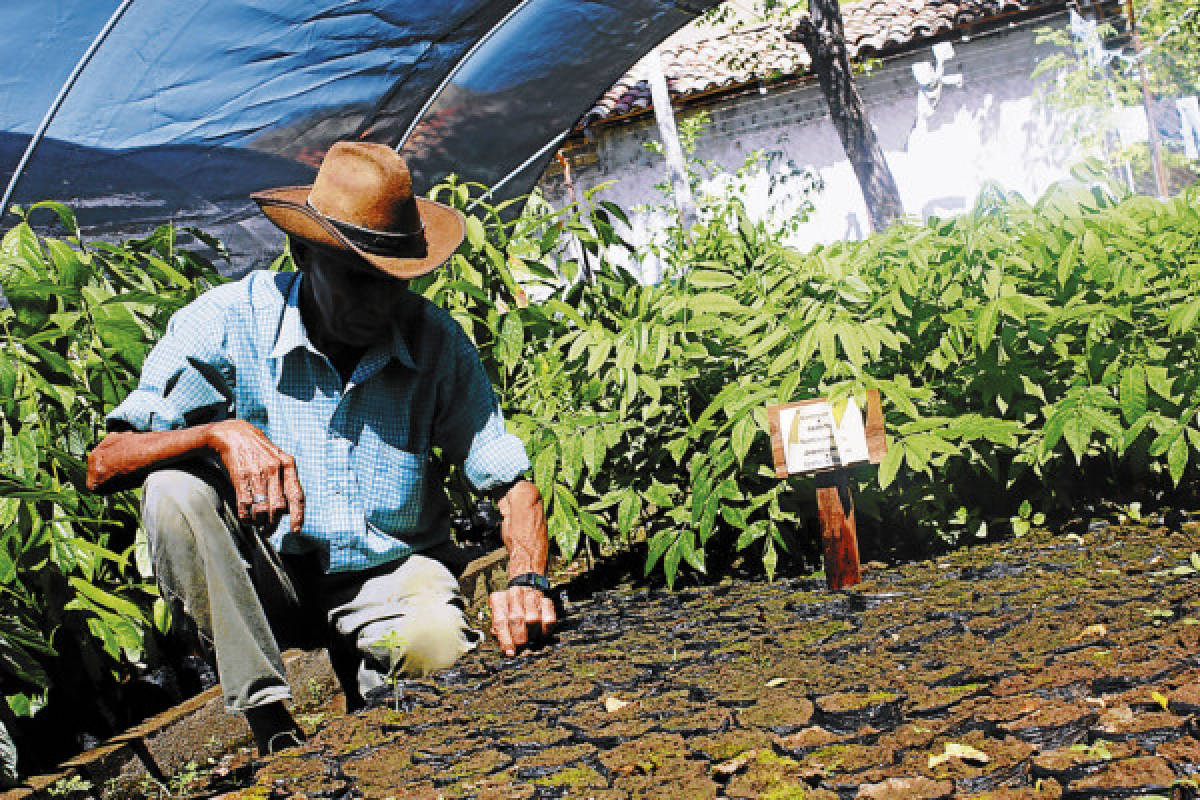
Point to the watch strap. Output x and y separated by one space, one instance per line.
533 580
496 493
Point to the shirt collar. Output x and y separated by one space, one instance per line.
292 335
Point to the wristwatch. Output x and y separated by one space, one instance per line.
496 493
533 580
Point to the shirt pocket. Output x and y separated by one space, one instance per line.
392 483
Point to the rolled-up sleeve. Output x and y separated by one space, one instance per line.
470 425
186 379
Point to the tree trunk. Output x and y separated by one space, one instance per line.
664 114
822 36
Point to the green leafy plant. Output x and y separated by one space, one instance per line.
394 645
1025 519
1099 750
68 786
75 609
1033 354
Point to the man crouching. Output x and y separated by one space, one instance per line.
283 428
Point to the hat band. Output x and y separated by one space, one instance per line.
407 244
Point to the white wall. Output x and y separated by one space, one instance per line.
990 129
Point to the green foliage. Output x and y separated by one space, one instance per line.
1028 356
79 323
785 190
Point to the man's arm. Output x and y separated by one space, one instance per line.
258 469
521 613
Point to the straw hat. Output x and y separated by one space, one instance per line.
362 202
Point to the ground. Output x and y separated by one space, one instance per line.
1046 667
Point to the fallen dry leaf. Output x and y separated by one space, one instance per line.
1098 631
612 704
735 764
960 751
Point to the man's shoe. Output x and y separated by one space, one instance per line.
273 728
283 740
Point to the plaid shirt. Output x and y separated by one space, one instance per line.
372 495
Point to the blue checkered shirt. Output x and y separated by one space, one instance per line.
372 494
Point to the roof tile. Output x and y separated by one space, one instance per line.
696 62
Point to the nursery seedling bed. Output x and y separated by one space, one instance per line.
1046 667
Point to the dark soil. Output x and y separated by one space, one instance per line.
1069 667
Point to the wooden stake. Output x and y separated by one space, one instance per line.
839 534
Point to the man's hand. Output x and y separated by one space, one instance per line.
522 614
264 477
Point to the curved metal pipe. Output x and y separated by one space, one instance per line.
519 169
416 120
57 104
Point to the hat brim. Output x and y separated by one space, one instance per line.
288 208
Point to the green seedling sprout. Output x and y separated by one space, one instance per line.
395 644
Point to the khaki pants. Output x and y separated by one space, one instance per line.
247 601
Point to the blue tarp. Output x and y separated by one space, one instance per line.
183 109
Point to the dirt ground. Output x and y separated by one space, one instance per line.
1047 667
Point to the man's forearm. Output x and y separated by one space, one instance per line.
122 459
521 612
524 529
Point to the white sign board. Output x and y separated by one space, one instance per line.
813 441
806 438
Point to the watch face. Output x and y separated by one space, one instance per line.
531 579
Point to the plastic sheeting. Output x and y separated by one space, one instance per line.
185 108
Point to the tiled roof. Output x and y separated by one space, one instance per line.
696 64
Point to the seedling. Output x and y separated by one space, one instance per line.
395 645
1097 751
1026 519
65 787
1132 511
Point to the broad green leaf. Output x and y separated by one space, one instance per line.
628 511
1094 254
161 616
512 338
476 235
742 437
8 376
106 599
659 544
672 558
1177 458
1160 382
1067 261
572 457
985 325
890 464
768 343
770 558
543 467
659 494
17 662
710 279
597 354
1078 434
593 449
715 303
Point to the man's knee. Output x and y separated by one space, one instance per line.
428 638
172 502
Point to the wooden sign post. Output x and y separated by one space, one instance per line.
806 439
